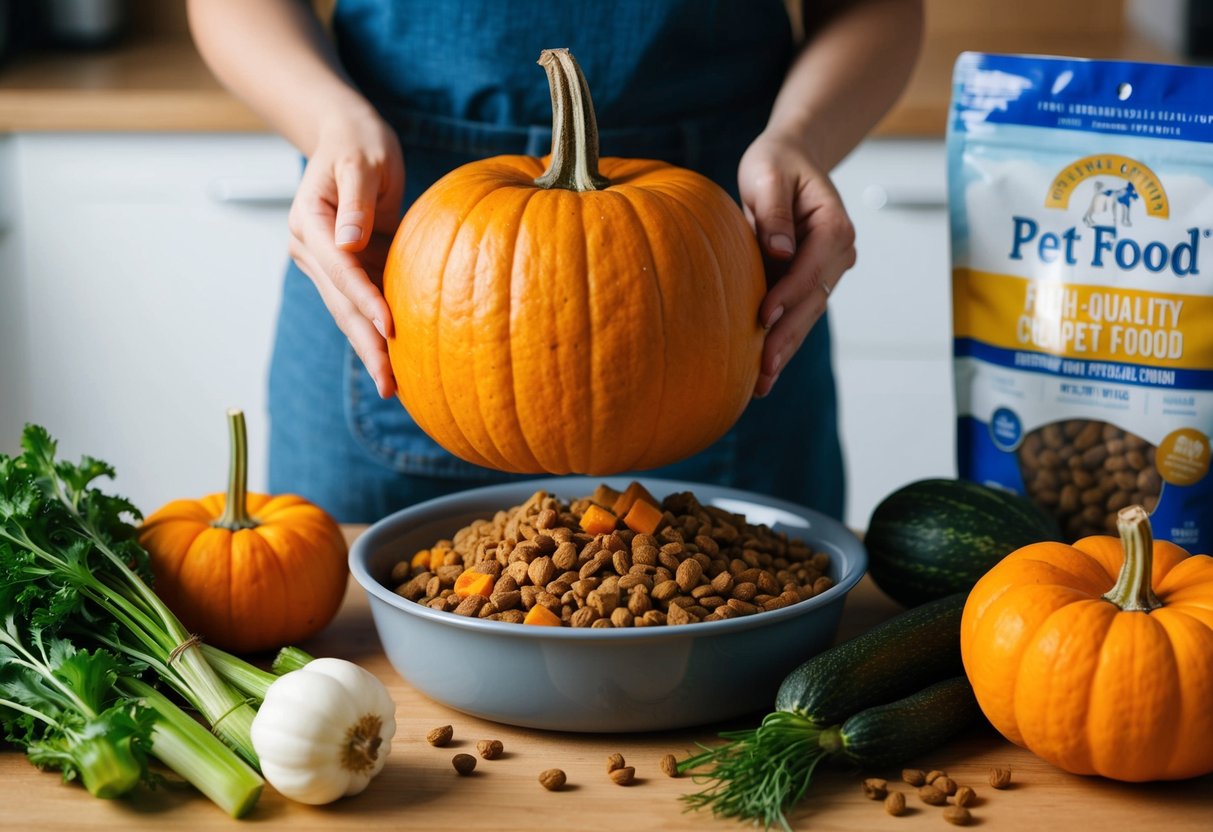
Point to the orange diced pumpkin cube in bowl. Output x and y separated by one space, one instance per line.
643 517
474 583
438 558
627 499
542 616
421 562
597 520
604 495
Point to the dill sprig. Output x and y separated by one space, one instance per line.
760 771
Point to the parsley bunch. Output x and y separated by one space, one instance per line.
71 572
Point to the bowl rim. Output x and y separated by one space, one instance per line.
853 552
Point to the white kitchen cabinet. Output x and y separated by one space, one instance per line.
891 322
144 288
14 341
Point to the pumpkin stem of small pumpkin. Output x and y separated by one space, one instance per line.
1132 590
574 164
235 509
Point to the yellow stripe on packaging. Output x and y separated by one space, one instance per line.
1083 321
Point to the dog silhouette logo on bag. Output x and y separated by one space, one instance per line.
1113 203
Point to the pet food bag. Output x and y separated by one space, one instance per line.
1081 202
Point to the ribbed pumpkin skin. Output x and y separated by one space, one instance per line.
554 331
1088 687
251 589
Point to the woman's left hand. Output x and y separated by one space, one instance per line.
806 237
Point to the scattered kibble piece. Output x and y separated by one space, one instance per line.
875 788
552 779
895 803
623 776
965 796
669 766
440 736
914 776
958 815
465 764
934 775
615 761
1000 778
490 749
945 784
932 796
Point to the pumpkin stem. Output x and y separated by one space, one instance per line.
574 163
1132 590
235 509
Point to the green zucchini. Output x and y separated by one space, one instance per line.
889 734
934 537
890 694
896 658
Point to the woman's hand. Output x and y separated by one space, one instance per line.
806 237
342 221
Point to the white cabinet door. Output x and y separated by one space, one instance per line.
149 285
14 388
891 319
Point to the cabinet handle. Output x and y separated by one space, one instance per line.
905 198
257 193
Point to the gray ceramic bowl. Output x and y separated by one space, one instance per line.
634 679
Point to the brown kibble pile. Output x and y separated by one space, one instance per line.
702 564
934 789
1084 472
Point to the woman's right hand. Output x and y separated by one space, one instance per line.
342 220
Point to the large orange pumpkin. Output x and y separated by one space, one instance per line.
1098 656
597 317
243 571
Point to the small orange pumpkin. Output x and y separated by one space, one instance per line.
598 317
1098 657
247 572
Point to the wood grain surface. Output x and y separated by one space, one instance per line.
418 788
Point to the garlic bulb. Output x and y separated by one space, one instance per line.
324 731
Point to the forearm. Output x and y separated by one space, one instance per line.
847 75
274 55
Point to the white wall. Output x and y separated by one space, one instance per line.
145 303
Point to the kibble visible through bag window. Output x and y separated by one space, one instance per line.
1081 198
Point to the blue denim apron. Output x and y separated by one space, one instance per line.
689 82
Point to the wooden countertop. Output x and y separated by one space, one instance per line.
419 790
163 85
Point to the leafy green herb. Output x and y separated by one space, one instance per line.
759 772
72 573
61 705
68 557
